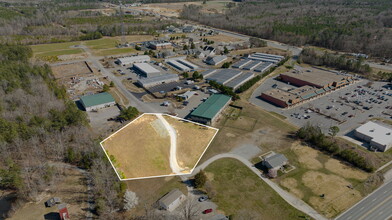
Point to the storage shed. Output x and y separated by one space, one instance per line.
171 200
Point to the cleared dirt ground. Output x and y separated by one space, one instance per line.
223 38
192 140
68 70
139 150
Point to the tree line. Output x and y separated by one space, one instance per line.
351 26
40 127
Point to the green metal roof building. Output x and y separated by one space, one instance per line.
209 110
97 101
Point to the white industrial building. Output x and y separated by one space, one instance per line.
187 95
171 200
134 59
146 69
181 64
156 80
378 136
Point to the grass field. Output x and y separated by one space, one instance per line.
114 51
139 150
192 140
241 193
316 174
223 38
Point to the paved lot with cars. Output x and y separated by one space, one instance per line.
346 108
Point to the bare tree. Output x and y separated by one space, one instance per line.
189 209
130 200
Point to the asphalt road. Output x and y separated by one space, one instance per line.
376 206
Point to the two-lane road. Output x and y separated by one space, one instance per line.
376 206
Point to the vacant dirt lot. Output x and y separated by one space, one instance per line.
192 140
68 70
139 150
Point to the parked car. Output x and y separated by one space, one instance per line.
207 211
203 198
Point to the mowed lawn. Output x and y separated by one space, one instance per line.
192 140
56 49
138 150
241 192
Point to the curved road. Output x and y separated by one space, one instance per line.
292 200
173 145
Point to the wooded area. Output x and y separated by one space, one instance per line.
40 129
358 26
59 21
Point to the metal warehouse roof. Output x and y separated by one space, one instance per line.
146 68
241 79
134 59
263 67
211 106
208 72
158 78
178 65
188 64
96 99
269 55
252 65
241 63
223 76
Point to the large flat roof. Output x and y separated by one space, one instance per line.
211 106
146 81
223 76
281 95
379 133
315 76
96 99
146 68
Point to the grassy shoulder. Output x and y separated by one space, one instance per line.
239 190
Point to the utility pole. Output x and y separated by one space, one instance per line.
122 24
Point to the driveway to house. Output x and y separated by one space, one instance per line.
173 145
292 200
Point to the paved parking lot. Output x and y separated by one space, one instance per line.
347 108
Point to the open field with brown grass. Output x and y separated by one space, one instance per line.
317 174
139 150
222 38
72 191
192 140
269 50
142 148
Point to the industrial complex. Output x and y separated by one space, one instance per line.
311 84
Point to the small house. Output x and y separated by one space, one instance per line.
275 162
171 200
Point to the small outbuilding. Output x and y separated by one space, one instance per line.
275 162
97 101
171 200
216 60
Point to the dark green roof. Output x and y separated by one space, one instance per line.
96 99
211 106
